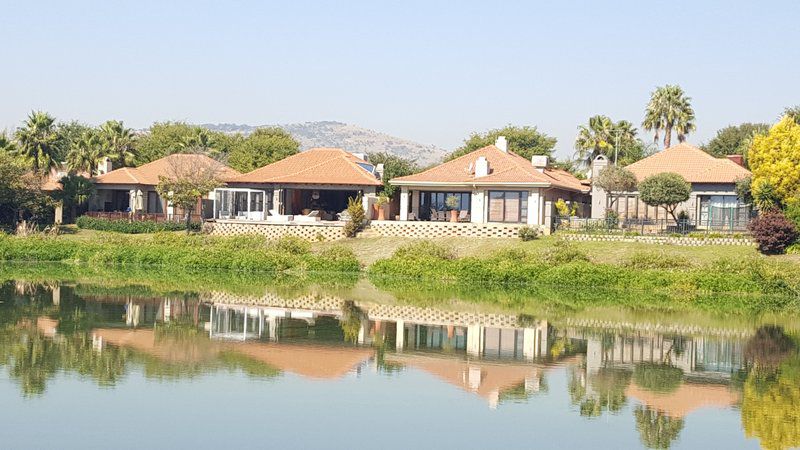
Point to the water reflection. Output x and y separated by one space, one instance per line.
657 377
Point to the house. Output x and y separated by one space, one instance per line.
713 199
490 185
133 189
317 182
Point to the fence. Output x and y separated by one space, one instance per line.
733 224
152 217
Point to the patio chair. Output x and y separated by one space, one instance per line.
412 216
463 216
312 216
442 216
434 214
224 214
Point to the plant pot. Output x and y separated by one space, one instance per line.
381 214
453 215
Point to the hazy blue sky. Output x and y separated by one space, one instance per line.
428 71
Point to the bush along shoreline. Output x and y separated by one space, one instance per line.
769 285
196 252
131 226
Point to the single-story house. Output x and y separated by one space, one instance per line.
713 200
317 183
490 185
133 189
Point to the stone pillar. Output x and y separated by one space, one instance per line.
548 217
599 196
404 203
534 218
415 199
477 206
59 213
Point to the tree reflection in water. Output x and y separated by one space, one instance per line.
657 429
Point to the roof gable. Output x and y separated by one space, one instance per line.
690 162
150 173
504 168
314 166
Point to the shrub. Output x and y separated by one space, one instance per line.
773 232
423 250
528 233
356 217
792 212
660 260
562 252
131 227
292 245
612 218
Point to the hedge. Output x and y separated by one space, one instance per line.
132 227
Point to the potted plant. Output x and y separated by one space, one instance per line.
452 204
380 202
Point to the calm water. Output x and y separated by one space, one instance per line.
86 366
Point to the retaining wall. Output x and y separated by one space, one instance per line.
309 231
429 230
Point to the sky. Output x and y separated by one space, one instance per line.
428 71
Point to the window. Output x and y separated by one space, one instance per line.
508 206
256 201
437 201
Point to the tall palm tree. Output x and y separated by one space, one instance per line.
669 109
37 141
117 143
85 153
595 139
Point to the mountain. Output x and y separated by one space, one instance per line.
349 137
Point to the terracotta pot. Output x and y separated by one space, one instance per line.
453 215
381 214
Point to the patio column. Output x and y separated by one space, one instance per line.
477 206
403 203
415 199
533 207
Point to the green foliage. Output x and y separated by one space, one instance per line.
21 193
735 140
669 109
393 167
68 135
658 260
666 190
765 197
660 378
524 141
528 233
263 146
131 227
774 159
451 202
118 143
174 251
423 250
356 217
615 180
84 153
37 142
769 405
744 190
75 191
603 136
166 138
656 428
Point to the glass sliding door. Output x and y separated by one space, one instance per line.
433 205
508 206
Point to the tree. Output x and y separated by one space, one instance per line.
67 135
667 190
657 429
38 142
263 146
734 140
393 167
524 141
118 143
773 232
775 157
603 136
769 405
615 179
6 145
669 109
75 191
793 113
21 194
356 217
85 154
187 181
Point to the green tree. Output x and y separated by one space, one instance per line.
67 135
393 167
357 217
85 153
661 378
666 190
263 146
37 141
769 405
524 141
613 180
793 113
669 109
75 191
657 429
118 143
186 182
21 194
603 136
734 140
775 158
608 387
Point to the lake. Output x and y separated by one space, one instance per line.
110 364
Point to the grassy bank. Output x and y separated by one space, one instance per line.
177 251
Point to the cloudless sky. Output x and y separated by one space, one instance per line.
428 71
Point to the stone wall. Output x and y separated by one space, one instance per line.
661 240
309 231
429 230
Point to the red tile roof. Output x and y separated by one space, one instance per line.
149 174
504 168
314 166
693 164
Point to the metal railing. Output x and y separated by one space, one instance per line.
656 227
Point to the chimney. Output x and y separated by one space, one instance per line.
481 167
501 143
379 171
104 166
362 156
738 159
539 162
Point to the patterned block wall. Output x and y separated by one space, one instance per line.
659 240
311 232
428 230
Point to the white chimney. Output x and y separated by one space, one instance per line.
481 167
104 166
379 171
361 156
539 162
501 143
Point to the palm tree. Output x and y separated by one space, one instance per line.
594 139
117 143
669 109
85 153
37 141
6 144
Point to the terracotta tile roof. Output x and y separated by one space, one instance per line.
52 182
693 164
504 168
148 174
314 166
